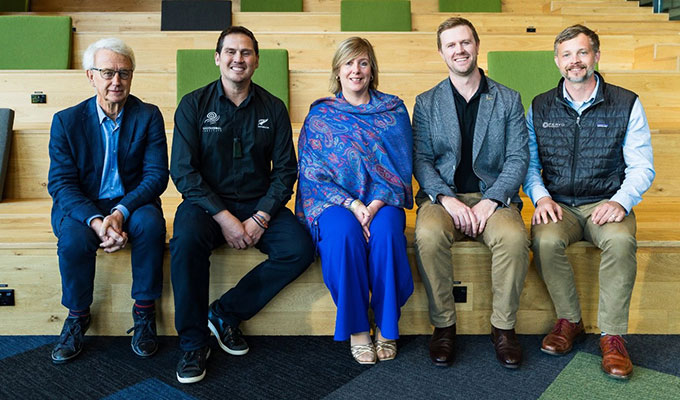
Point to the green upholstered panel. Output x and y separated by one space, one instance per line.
470 5
529 72
35 42
14 5
196 68
375 15
271 5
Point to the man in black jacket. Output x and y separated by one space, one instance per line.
234 163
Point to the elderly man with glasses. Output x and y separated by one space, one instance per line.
108 167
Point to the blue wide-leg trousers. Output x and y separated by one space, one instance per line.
353 268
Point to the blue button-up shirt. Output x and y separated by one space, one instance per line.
637 154
111 186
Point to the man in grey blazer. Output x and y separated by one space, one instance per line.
470 157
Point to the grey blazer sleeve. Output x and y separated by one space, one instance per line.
516 161
424 170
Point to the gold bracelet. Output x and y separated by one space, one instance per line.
354 204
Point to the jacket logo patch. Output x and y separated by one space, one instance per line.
553 125
211 118
602 126
261 123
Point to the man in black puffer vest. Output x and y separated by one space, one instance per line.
591 161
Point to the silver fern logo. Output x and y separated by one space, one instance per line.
211 118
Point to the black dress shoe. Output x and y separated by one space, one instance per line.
508 350
71 339
442 346
228 337
144 341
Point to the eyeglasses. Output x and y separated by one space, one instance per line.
108 74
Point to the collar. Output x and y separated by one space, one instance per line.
220 93
483 86
101 116
591 99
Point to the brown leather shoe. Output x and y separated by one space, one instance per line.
442 346
562 337
615 360
508 351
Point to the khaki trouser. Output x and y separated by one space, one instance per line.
506 237
618 264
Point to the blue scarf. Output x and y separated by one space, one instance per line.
360 152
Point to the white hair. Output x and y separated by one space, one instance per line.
114 44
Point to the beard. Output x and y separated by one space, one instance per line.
578 79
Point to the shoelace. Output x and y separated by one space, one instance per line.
234 333
616 342
68 338
143 324
562 324
193 358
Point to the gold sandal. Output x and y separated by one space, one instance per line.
358 350
387 347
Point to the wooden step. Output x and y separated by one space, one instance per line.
65 88
29 164
111 23
305 307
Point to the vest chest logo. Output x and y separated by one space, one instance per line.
601 125
262 123
211 119
553 125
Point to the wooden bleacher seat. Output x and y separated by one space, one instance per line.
638 52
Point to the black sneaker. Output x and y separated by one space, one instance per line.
191 367
70 340
144 342
229 338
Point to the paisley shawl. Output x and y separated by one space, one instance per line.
361 152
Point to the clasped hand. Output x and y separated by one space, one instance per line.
110 231
469 220
239 234
364 214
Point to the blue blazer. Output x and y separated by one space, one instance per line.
77 159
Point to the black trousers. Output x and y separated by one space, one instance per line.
196 235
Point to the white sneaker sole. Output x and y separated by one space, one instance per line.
224 347
194 379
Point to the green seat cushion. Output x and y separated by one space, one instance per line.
196 68
35 42
529 72
375 15
13 5
470 5
271 5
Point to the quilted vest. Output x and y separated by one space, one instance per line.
582 156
